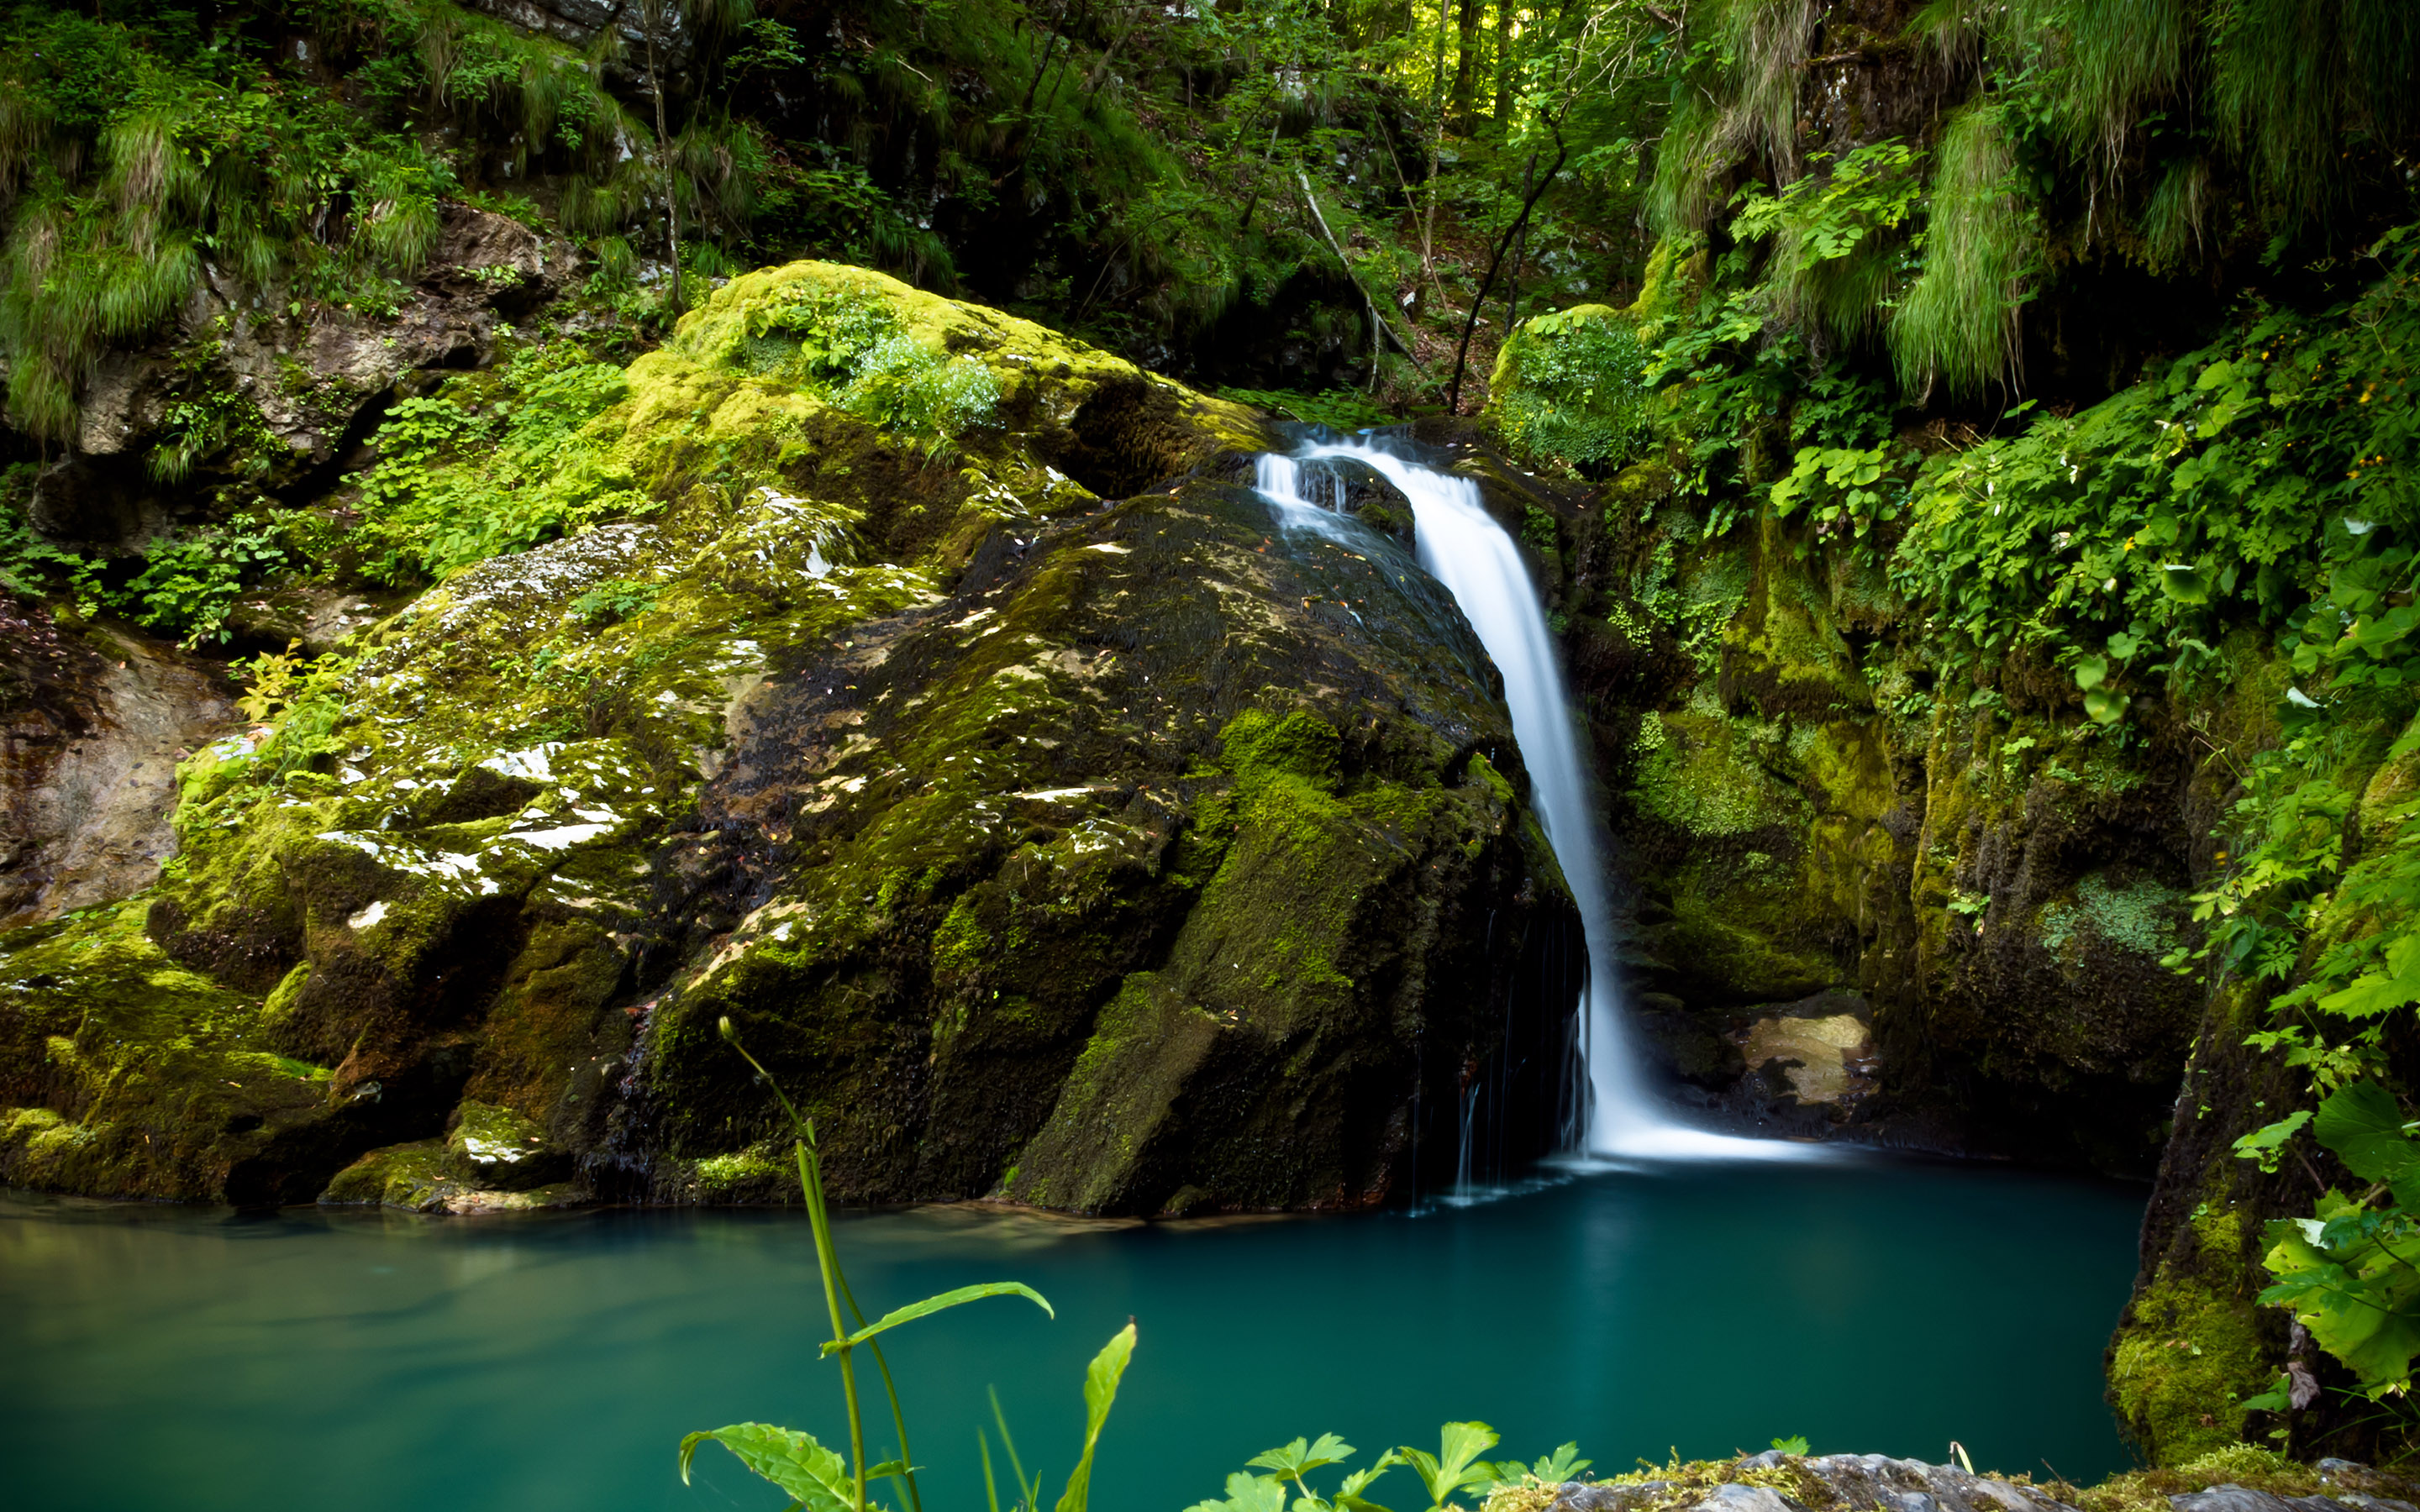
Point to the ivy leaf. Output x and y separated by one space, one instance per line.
2124 644
814 1475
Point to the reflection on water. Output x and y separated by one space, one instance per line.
164 1356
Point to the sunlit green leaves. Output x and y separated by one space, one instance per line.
957 1297
1101 1379
814 1475
2266 1144
1455 1464
1300 1457
2348 1275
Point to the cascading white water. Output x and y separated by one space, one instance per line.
1463 547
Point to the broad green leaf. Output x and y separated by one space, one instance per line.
1101 1379
2184 583
2123 646
2365 1129
1302 1457
811 1473
1451 1469
2104 706
934 1304
2091 671
2360 1303
2264 1145
1247 1494
2379 990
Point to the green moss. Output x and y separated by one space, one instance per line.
2141 916
1257 744
2187 1353
1706 773
417 1176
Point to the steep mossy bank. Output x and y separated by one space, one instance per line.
1983 793
1052 838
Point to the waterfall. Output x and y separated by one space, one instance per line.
1463 546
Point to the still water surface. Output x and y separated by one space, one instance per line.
377 1362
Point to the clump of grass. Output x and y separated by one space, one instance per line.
1959 322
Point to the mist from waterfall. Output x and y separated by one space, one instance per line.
1463 546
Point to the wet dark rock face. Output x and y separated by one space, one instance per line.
1213 885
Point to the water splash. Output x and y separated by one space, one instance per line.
1464 548
1304 496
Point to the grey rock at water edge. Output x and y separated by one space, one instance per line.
2233 1497
1869 1483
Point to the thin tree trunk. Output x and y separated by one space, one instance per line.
1462 352
1101 69
1049 44
652 18
1520 250
1376 316
1465 66
1504 70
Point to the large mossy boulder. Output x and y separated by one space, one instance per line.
915 691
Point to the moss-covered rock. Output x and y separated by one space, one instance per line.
1568 389
879 707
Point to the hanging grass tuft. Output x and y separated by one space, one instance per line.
1958 323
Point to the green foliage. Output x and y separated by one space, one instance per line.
190 582
819 1478
1568 388
457 483
858 353
2253 477
1452 1471
1336 409
185 586
1835 264
2348 1274
1845 490
613 601
813 1476
1794 1445
1456 1464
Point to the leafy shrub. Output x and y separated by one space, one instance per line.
856 352
189 583
1568 388
457 483
612 601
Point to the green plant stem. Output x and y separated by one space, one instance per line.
810 1183
898 1418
